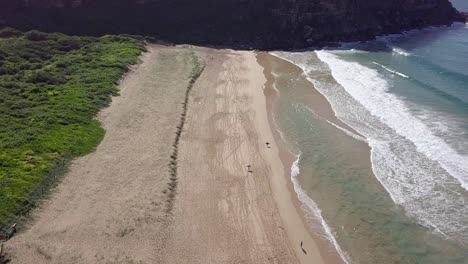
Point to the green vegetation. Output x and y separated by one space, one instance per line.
197 69
51 87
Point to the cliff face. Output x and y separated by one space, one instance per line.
336 20
248 23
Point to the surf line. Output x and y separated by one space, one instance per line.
197 70
312 211
390 70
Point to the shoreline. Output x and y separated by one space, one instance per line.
327 249
326 109
283 191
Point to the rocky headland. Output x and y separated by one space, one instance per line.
264 24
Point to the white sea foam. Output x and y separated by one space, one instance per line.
275 88
424 189
419 170
402 52
369 89
428 193
342 129
313 212
417 183
306 68
282 56
390 70
347 132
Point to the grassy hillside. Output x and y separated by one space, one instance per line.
51 87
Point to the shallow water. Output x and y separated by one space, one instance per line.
404 198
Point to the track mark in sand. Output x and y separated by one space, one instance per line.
197 70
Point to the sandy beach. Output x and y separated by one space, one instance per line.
117 205
242 217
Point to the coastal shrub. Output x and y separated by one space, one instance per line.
51 87
9 32
35 35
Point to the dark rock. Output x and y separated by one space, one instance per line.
265 24
464 17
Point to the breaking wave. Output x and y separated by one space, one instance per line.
313 212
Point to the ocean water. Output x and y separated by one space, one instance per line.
394 190
461 5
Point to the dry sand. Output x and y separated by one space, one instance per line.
111 206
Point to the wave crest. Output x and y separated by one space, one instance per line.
402 52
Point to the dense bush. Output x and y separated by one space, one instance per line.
35 35
51 87
9 32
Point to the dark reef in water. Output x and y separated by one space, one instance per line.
263 24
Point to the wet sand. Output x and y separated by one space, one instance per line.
273 68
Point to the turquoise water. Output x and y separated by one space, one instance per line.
408 96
